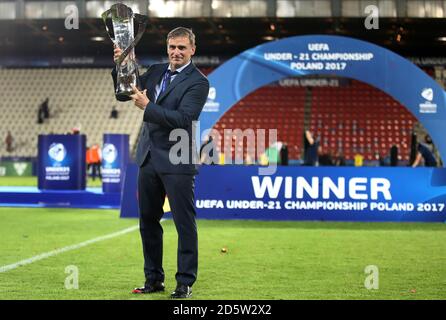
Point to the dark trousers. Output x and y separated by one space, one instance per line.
95 170
152 189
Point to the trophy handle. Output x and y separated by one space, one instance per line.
104 18
142 23
126 74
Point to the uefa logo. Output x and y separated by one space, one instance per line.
212 93
428 106
57 152
428 94
109 153
211 105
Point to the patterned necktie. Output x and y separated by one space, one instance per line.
166 80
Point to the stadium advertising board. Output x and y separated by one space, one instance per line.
312 193
115 156
61 162
322 193
15 168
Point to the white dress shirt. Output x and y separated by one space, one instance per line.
159 85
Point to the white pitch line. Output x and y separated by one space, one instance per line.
65 249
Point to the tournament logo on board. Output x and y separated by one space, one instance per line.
211 105
57 152
428 106
61 162
111 171
109 153
115 156
57 170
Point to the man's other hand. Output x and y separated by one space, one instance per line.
139 98
116 53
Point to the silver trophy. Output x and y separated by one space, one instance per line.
121 32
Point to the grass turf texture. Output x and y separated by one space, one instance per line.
265 260
32 182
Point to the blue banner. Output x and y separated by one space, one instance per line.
129 196
322 193
61 162
115 157
312 193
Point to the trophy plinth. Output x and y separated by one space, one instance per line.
121 32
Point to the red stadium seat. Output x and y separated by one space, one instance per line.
356 117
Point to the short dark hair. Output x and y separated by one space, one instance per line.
182 32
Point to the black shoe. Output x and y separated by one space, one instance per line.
156 286
181 292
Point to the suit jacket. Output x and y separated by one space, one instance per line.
176 108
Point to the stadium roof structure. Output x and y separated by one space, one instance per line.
219 36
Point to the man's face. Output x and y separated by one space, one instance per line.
179 51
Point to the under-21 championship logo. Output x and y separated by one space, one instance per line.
57 152
428 106
212 93
428 94
109 153
211 105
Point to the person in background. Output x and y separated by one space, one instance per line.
394 156
325 158
380 159
208 152
413 147
273 152
311 147
9 140
94 161
359 160
425 151
284 155
248 159
263 161
114 113
43 112
46 109
88 160
339 159
40 117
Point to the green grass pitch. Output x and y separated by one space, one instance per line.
264 260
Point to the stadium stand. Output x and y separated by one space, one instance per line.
79 98
360 119
356 118
269 107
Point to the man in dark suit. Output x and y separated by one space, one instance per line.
172 96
